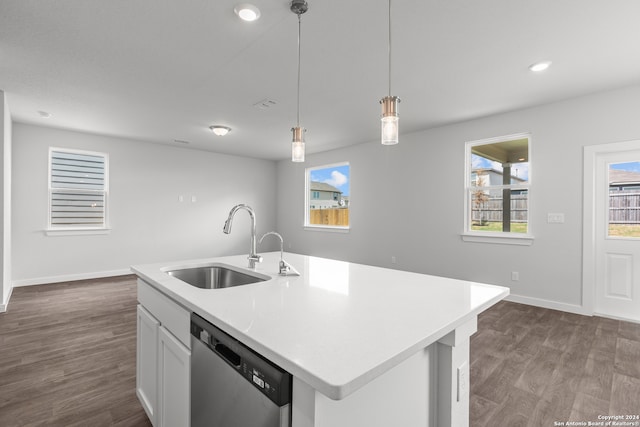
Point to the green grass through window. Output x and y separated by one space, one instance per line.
624 230
516 227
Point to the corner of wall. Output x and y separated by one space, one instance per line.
5 201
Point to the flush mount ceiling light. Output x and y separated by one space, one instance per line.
297 145
540 66
220 130
247 12
389 103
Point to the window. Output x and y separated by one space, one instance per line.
78 189
624 200
498 177
327 197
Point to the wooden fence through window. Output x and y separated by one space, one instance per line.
490 210
332 216
624 207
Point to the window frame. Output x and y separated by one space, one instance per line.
307 200
75 229
508 237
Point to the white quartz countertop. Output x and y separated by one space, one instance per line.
338 325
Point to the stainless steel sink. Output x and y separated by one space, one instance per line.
215 276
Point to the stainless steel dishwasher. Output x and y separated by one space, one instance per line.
232 385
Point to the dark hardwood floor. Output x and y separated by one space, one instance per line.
67 355
536 367
67 358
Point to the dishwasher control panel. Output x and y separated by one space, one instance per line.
273 381
268 382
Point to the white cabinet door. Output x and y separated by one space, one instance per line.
146 362
174 379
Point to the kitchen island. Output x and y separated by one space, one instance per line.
365 345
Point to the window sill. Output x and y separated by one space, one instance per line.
77 231
511 239
326 228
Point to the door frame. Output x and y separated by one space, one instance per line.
589 253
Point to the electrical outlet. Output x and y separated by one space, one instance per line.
393 259
463 382
515 276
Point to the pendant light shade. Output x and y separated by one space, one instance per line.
390 119
297 145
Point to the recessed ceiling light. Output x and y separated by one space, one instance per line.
539 66
220 130
44 114
247 12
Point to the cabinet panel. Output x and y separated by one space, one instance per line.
174 375
146 362
168 312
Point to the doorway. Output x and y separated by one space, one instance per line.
611 245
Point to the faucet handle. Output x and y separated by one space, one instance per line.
284 268
253 259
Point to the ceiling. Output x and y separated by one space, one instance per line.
165 70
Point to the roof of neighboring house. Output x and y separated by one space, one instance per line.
480 171
623 177
323 186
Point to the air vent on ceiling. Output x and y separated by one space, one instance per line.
265 104
181 141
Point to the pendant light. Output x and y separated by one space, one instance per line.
389 106
297 145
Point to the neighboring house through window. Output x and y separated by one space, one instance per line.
327 196
78 190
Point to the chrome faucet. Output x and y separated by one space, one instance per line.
284 269
253 256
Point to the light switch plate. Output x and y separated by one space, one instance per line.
555 218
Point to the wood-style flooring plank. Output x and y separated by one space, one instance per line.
627 361
597 378
539 371
625 395
588 408
481 410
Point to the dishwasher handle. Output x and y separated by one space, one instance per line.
226 353
218 342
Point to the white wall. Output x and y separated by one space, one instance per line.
5 201
148 222
421 226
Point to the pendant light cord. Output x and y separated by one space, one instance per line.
389 47
299 32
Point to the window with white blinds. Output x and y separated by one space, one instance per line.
78 188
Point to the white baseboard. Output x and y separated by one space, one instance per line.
71 277
624 319
5 304
553 305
